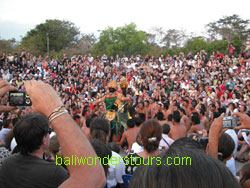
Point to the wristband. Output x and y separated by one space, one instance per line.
58 115
58 109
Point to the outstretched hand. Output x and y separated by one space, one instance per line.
44 98
4 88
244 119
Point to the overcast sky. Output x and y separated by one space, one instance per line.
19 16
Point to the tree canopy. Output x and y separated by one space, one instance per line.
122 40
61 34
229 27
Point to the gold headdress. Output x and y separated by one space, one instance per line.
124 83
112 84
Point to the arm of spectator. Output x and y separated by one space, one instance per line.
244 119
72 140
214 136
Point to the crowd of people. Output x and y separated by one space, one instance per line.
191 105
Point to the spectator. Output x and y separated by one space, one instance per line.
150 134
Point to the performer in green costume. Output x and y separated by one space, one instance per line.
114 102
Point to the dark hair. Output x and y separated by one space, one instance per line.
225 147
6 123
190 174
30 131
103 152
202 111
142 116
151 129
137 121
245 172
177 116
186 142
88 121
195 119
114 147
159 116
165 128
99 129
183 111
170 117
130 123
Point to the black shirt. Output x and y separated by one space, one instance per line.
30 172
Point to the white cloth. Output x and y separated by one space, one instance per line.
168 139
3 134
231 162
116 170
13 144
136 148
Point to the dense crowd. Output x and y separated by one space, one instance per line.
176 106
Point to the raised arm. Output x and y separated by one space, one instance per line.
72 140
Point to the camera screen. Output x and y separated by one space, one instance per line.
229 122
16 99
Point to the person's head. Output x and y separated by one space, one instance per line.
142 117
54 145
137 121
195 119
225 147
130 123
151 133
170 117
245 173
160 116
186 142
165 128
114 147
183 167
100 129
176 117
103 152
7 123
32 133
182 112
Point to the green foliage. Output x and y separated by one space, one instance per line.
61 34
196 44
52 54
122 40
218 45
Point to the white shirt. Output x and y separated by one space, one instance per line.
231 163
116 170
136 148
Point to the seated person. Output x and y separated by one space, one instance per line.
150 133
166 141
130 134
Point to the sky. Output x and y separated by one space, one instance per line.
19 16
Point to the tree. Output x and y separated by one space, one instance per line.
7 46
196 44
229 27
167 38
122 40
174 38
59 34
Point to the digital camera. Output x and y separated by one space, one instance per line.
19 98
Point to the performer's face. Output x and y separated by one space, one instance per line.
111 90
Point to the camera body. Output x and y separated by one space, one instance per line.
19 98
229 122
